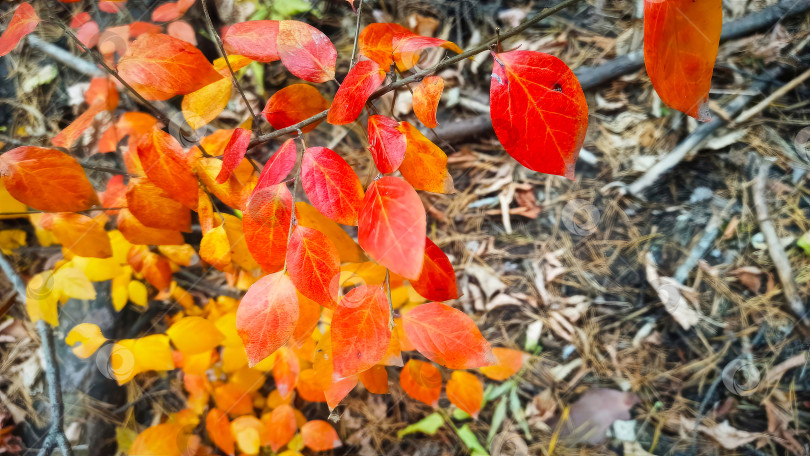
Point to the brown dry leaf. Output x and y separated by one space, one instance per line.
594 412
524 196
728 437
750 277
776 372
672 296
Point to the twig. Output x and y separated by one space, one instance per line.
775 250
63 56
777 94
709 235
356 35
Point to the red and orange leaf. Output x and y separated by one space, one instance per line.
104 90
236 189
82 235
426 98
319 435
425 164
278 166
306 52
23 22
331 185
165 164
348 250
266 223
387 143
135 124
80 19
285 371
171 11
538 111
422 381
234 153
681 39
240 252
309 386
338 390
309 313
447 336
70 134
218 428
160 66
437 282
279 426
214 144
182 30
157 271
314 265
294 103
154 208
205 104
407 46
376 42
375 379
393 225
159 439
363 79
138 28
466 392
255 40
509 363
360 331
46 179
266 316
136 233
114 195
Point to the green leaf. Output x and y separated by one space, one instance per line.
471 441
497 419
427 425
498 391
804 242
460 415
517 413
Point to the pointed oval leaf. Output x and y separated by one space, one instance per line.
218 428
331 185
306 52
376 42
387 143
215 249
234 153
255 40
407 46
360 331
363 79
205 104
193 334
348 250
466 392
319 435
295 103
266 316
422 381
23 22
82 235
266 224
509 363
425 164
155 208
280 426
375 380
313 265
426 98
166 166
278 167
437 282
135 232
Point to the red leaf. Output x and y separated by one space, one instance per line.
102 89
280 426
306 52
360 331
681 38
78 20
375 379
363 79
155 208
266 223
255 40
138 28
426 98
293 104
165 164
278 166
393 225
234 153
266 316
538 111
331 185
46 179
466 392
437 282
425 164
182 30
23 22
376 42
386 142
168 12
422 381
314 265
406 47
447 336
114 195
88 34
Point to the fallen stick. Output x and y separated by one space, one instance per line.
777 94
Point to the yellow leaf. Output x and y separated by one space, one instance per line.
120 246
120 288
204 105
125 437
88 336
138 293
130 357
41 299
215 249
44 237
10 240
98 269
72 283
122 361
9 204
247 432
193 335
197 364
184 255
237 63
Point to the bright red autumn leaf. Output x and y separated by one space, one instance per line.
392 226
70 134
114 195
509 363
363 79
538 111
360 331
437 281
266 223
23 22
681 38
278 166
218 428
426 98
46 179
375 380
279 426
466 392
319 435
306 52
406 47
447 336
425 164
294 103
255 40
234 153
386 142
171 11
164 162
160 66
421 381
155 208
266 316
313 264
331 185
376 42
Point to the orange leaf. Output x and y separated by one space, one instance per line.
70 134
46 179
338 390
466 392
375 379
393 225
266 316
235 190
135 232
509 363
135 124
170 11
182 30
363 79
313 265
426 98
425 164
160 66
234 153
681 39
255 40
104 90
285 371
376 42
422 381
294 103
167 439
360 332
437 281
82 235
306 52
538 111
309 313
279 426
387 143
155 268
406 46
154 208
331 185
215 249
218 428
266 223
348 250
165 164
309 386
319 435
205 104
138 28
233 399
278 166
447 336
23 22
115 194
